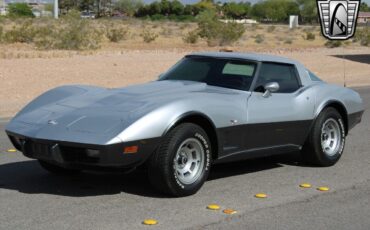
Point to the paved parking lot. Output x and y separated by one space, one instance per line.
30 198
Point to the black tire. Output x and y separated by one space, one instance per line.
161 170
57 169
312 151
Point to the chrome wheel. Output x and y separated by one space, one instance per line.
189 161
331 137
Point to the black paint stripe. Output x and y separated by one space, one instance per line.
262 137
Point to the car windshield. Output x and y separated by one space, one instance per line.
234 74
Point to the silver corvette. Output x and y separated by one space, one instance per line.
208 108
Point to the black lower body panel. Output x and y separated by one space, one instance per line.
354 119
85 156
263 139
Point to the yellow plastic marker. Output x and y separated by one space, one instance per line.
305 185
11 150
260 195
323 189
213 207
229 211
150 222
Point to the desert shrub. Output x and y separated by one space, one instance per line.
116 33
271 29
148 35
288 41
333 44
24 33
310 36
70 33
259 38
166 32
78 35
157 17
191 37
254 27
217 32
363 36
20 10
1 33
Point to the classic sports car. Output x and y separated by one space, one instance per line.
208 108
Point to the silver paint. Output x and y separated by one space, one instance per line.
95 115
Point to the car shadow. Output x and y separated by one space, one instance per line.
362 58
28 177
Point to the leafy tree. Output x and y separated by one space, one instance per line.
85 5
275 10
177 7
130 7
20 10
236 10
165 6
206 5
308 10
364 7
217 32
67 5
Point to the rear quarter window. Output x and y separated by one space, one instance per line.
313 77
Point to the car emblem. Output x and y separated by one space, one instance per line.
338 18
52 122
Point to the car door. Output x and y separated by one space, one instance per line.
281 119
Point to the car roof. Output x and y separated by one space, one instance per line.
247 56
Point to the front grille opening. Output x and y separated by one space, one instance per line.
78 155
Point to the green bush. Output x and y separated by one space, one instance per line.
310 36
333 44
148 36
20 10
363 36
191 37
288 41
24 33
259 38
116 34
157 17
271 29
217 32
70 33
1 33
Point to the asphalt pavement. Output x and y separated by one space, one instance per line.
31 198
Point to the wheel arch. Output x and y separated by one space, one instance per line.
339 106
204 122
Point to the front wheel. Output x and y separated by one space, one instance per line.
326 141
181 164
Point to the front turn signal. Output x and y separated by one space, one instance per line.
131 149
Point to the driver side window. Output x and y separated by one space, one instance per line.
284 74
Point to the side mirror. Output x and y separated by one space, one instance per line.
270 87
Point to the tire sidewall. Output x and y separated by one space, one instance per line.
328 114
196 132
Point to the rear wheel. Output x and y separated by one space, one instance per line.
181 164
326 141
57 169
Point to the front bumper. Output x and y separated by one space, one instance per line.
84 156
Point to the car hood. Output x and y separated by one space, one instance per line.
101 113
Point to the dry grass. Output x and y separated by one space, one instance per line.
171 36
